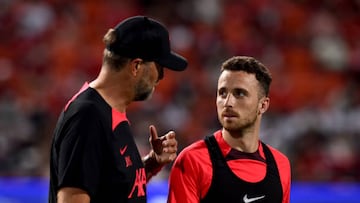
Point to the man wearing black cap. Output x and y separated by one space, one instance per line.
94 157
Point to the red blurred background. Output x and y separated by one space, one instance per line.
49 48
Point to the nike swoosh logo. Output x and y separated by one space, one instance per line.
123 150
248 200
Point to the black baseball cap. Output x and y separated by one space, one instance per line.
146 38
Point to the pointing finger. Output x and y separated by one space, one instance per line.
153 132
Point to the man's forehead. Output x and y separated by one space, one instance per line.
236 76
237 80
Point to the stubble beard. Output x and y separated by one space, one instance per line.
142 91
238 127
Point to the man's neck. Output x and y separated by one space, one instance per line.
242 141
115 91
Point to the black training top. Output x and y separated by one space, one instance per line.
93 149
227 187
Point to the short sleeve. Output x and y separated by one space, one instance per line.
190 176
80 151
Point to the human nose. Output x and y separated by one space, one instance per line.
160 70
228 100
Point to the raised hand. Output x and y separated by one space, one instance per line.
164 147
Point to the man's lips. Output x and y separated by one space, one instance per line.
229 114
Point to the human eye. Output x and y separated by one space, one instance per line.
238 93
222 92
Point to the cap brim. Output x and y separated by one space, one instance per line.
173 61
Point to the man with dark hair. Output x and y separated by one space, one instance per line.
234 165
94 157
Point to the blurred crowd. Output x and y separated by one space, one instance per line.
49 48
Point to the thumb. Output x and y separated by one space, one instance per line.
153 133
154 140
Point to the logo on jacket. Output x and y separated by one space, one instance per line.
253 199
139 184
123 150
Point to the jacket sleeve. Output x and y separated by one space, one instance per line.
183 181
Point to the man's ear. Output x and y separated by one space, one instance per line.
135 65
264 105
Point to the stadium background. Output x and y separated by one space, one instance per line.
49 48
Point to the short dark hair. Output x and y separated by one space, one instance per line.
115 61
250 65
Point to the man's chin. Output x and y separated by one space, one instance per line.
143 97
